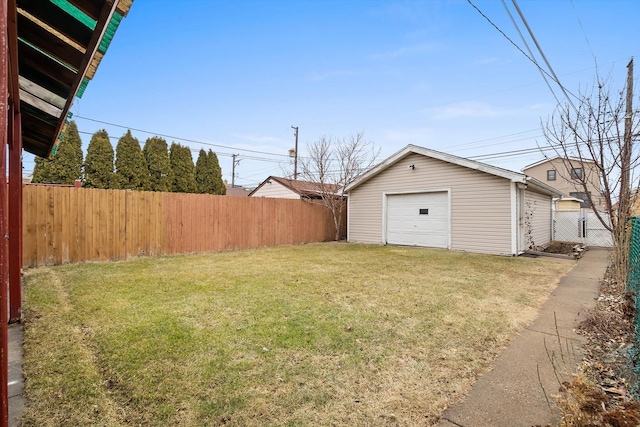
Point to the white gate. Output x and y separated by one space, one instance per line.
581 226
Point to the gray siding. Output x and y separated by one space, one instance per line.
480 203
537 219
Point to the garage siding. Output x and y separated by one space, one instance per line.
537 219
480 203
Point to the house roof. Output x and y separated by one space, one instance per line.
237 191
460 161
303 188
538 163
55 47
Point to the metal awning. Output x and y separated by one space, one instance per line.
59 45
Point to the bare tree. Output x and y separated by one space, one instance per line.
599 128
332 164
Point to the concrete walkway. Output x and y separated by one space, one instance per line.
512 394
16 378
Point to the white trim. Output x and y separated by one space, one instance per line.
385 195
515 224
348 225
449 158
540 187
522 201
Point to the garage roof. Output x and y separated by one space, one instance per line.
55 48
460 161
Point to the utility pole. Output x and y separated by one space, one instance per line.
625 185
295 159
234 163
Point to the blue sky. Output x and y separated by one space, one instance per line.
238 74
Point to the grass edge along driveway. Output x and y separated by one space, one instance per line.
319 334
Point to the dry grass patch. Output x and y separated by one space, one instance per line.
322 334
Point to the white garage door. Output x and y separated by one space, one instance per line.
420 219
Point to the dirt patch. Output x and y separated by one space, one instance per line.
560 247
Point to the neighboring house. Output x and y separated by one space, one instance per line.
284 188
422 197
565 176
634 204
237 191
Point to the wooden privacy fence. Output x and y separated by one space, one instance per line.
66 224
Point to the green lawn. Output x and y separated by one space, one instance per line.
320 334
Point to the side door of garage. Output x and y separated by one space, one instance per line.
418 219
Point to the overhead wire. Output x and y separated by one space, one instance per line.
593 55
494 138
182 139
544 77
505 35
218 153
552 76
286 161
544 57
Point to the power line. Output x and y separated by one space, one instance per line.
482 156
218 153
181 139
555 79
511 141
494 138
544 57
504 34
544 77
582 29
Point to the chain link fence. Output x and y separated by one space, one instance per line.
581 226
633 284
633 278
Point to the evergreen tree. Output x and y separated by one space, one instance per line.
98 165
208 174
131 168
184 176
65 165
42 171
204 173
156 154
218 186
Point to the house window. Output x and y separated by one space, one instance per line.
582 196
551 175
576 173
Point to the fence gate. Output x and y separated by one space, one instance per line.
581 226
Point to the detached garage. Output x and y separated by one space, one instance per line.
422 197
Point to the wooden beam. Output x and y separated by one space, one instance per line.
34 59
15 219
91 7
45 81
64 23
108 9
42 93
4 259
38 103
49 40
